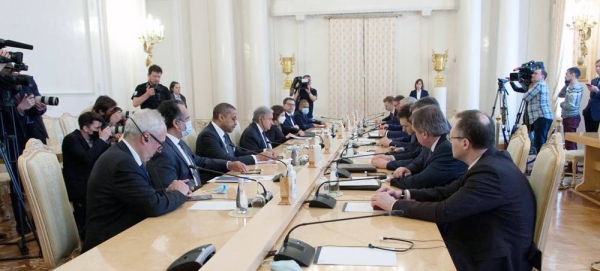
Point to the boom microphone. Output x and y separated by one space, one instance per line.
10 43
267 194
302 253
258 153
327 201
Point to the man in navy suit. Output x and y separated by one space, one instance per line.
214 141
173 162
591 113
120 193
487 217
419 92
254 137
435 165
388 104
289 125
301 117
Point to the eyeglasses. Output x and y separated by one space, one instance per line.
160 144
455 137
291 104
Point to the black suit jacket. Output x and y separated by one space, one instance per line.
252 139
431 169
302 121
209 144
424 93
180 96
276 135
390 117
78 160
170 165
120 194
486 218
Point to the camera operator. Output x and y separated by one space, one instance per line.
538 108
152 93
28 124
305 91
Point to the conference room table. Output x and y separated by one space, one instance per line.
243 243
591 167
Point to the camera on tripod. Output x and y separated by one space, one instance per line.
523 75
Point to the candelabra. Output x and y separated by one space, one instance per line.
583 24
152 33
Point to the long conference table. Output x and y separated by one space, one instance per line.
243 243
591 168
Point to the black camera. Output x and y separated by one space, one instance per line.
523 76
16 57
304 83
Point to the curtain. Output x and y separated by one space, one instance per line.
555 68
380 62
346 85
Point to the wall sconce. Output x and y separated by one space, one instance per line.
287 67
583 23
152 33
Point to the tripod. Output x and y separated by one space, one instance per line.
501 94
9 149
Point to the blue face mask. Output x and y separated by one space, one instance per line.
305 111
188 128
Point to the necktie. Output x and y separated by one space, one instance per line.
290 118
145 170
188 152
228 146
267 141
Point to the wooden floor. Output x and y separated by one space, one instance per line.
573 240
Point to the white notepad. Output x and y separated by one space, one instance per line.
359 207
369 182
210 205
357 256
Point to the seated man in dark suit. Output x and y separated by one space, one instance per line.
120 193
437 168
487 217
81 148
214 142
388 104
406 151
254 137
172 163
289 106
300 117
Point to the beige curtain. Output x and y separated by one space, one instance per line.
346 59
555 67
380 62
362 67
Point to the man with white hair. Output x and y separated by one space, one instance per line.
120 193
254 137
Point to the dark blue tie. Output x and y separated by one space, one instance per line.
145 170
228 144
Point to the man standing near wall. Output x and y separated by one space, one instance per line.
538 109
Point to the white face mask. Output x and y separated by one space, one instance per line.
281 119
188 128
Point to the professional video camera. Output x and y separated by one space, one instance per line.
304 83
523 75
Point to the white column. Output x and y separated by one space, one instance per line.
256 54
220 29
468 37
439 93
507 57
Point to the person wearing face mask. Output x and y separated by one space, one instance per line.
172 163
81 149
276 133
254 136
301 117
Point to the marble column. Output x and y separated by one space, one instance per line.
468 56
221 43
507 57
255 50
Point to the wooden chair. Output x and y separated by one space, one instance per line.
236 134
47 196
545 178
50 125
519 146
68 123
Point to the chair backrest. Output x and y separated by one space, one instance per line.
453 116
236 134
68 123
519 146
556 126
50 125
45 188
200 124
545 177
190 140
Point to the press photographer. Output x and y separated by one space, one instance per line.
152 93
304 91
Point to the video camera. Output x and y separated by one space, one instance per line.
523 75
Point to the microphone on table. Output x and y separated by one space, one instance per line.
330 118
378 114
346 160
327 201
267 194
276 179
302 253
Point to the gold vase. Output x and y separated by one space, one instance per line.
287 67
439 64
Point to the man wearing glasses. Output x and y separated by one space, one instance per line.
289 126
120 193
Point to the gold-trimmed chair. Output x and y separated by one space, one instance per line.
545 178
236 134
68 123
519 146
50 125
47 196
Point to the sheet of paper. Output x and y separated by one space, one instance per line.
260 178
365 153
210 205
359 207
231 179
224 179
360 183
356 256
300 137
